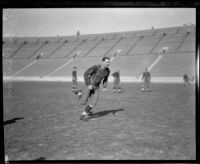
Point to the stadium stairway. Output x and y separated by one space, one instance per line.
134 45
9 50
93 47
113 46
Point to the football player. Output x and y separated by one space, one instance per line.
93 77
146 77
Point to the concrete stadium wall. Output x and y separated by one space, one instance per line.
126 79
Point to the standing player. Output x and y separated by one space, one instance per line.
75 90
116 81
187 80
93 77
146 77
74 79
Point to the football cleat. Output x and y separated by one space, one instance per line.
79 95
83 118
119 90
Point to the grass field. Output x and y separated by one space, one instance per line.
41 121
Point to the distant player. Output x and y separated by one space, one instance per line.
93 77
74 79
146 77
187 80
116 81
75 89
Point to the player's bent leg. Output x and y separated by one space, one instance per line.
86 113
117 86
94 95
148 86
85 96
94 98
114 85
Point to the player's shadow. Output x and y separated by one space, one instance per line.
14 120
40 159
106 112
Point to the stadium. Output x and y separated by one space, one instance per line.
52 58
41 114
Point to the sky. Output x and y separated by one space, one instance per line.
66 21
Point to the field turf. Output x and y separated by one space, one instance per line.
41 122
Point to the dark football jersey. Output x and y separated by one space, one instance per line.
95 75
146 75
74 73
116 75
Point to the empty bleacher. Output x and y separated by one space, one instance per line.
84 48
47 50
145 45
187 47
91 37
188 44
125 34
124 45
132 65
190 37
171 41
132 52
12 66
66 49
141 49
170 30
81 63
174 65
81 38
9 49
48 39
103 47
28 39
145 32
171 46
27 50
42 67
10 39
172 38
107 35
187 28
68 38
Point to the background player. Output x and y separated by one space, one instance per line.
116 81
146 77
93 77
187 80
75 89
74 79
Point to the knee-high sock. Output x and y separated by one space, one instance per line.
88 108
